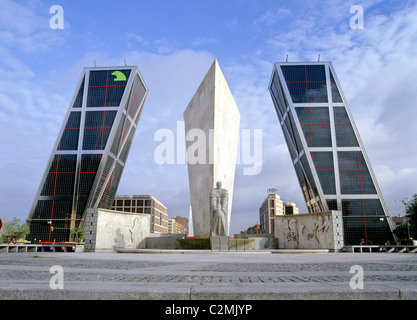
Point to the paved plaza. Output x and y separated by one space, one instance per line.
196 275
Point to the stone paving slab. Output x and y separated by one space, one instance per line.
202 276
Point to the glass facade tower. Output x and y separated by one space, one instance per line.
89 155
329 158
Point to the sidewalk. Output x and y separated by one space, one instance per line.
207 275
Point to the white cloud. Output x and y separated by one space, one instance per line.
203 41
272 17
137 38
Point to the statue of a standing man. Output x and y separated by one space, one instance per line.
219 199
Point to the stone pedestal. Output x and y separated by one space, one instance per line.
219 243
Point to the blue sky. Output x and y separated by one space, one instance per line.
174 43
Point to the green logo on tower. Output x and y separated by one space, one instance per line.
119 76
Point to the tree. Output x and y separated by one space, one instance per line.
15 230
411 214
402 232
77 234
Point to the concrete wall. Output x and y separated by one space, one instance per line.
163 241
322 230
107 230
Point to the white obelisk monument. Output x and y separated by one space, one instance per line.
212 122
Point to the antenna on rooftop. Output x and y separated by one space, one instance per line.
125 62
318 60
95 64
272 190
286 60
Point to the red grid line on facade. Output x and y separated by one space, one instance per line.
60 172
111 177
99 128
324 124
124 137
359 170
305 81
105 94
315 124
119 86
107 187
105 192
59 144
136 98
361 219
347 124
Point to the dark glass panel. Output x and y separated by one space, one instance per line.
78 102
69 139
95 97
111 187
316 92
315 73
290 144
327 182
89 166
306 84
315 123
98 125
274 89
114 96
332 204
354 175
351 160
104 90
98 78
309 175
345 136
56 211
323 162
335 91
294 73
298 92
60 178
350 182
365 222
289 122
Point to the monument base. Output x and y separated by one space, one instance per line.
219 243
194 244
